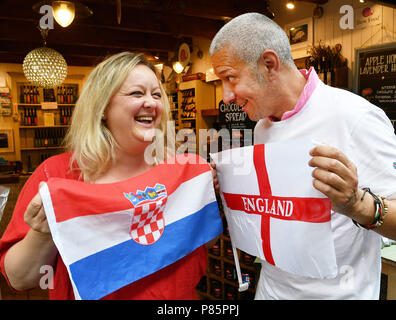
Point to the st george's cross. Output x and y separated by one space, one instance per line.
272 209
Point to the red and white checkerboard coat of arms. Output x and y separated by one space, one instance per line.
148 221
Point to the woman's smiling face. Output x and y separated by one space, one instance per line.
135 110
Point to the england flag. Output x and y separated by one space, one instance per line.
110 235
272 209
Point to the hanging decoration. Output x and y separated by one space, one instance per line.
45 67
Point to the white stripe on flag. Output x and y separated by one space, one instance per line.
295 235
239 163
49 212
283 174
244 229
115 226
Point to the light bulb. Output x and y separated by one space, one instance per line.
178 67
64 12
290 4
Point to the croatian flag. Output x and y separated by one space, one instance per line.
272 209
110 235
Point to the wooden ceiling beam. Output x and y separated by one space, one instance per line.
217 10
151 26
133 19
88 36
171 23
9 57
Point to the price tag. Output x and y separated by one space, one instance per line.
49 105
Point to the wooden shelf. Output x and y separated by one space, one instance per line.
37 127
41 148
39 105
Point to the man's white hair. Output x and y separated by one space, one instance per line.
249 35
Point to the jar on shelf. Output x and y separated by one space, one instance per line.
215 250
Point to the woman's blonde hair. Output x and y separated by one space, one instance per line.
88 139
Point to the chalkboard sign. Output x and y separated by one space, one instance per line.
375 75
231 116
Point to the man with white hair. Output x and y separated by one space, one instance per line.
355 167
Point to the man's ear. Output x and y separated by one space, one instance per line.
269 63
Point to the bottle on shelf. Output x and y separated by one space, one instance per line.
215 249
230 272
62 117
36 141
22 119
39 138
70 95
32 99
28 117
62 95
64 92
35 116
230 293
247 258
229 254
216 267
216 289
27 94
45 139
34 95
22 94
38 95
69 115
58 95
24 122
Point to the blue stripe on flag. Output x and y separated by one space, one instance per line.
111 269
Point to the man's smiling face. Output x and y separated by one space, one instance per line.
241 84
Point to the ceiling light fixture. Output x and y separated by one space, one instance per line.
64 12
45 67
178 67
290 4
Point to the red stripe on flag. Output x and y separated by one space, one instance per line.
261 169
71 198
265 189
303 209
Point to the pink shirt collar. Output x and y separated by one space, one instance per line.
312 81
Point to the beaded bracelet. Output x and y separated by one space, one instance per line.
381 210
385 206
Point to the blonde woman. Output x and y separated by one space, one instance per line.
122 110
